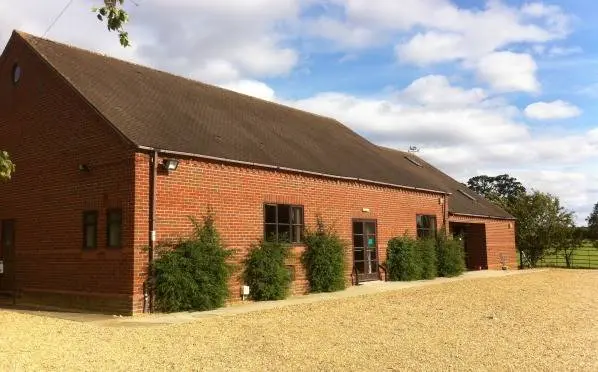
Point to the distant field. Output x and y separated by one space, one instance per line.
584 258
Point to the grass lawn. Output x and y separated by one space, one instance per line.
585 257
532 321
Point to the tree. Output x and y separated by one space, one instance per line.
116 18
502 189
7 167
593 223
542 225
572 240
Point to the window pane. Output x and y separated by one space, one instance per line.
7 233
373 254
114 216
433 223
427 222
90 218
90 236
270 214
371 241
284 233
370 228
297 233
357 228
374 266
270 232
420 222
358 240
90 229
284 214
360 265
358 255
298 215
114 232
114 227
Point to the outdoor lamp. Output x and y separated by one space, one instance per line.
170 164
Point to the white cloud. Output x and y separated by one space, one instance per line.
433 47
509 72
429 111
449 32
552 110
436 90
439 31
213 40
346 36
252 88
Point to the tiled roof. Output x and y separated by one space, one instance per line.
158 110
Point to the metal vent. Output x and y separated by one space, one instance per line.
467 195
413 161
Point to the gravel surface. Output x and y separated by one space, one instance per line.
540 321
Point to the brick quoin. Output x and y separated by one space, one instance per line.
50 130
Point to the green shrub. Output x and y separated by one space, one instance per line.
265 271
324 259
450 255
403 262
193 273
426 249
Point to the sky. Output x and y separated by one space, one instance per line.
480 87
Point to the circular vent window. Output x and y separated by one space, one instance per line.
16 73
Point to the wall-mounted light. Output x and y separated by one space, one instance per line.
84 168
365 210
170 164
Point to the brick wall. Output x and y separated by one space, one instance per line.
237 194
500 239
48 131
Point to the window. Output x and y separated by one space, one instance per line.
7 234
16 73
283 222
90 229
426 226
114 228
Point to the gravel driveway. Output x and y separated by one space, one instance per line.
540 321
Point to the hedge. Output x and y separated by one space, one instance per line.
265 271
451 256
415 259
324 259
192 274
403 262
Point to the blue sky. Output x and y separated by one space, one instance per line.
481 87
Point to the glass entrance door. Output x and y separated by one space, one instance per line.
365 249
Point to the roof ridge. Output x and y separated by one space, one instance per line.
29 38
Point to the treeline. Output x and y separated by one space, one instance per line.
543 226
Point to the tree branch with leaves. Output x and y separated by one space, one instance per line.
116 17
7 167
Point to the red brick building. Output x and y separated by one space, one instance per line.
93 138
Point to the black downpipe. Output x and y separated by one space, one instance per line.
152 228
